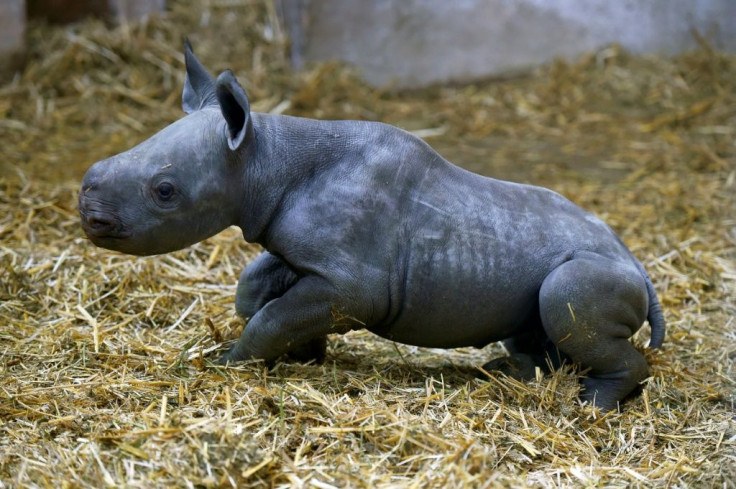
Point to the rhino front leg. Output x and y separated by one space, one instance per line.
264 279
298 322
313 350
267 278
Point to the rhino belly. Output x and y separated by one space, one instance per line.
462 292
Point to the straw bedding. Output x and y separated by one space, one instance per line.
106 375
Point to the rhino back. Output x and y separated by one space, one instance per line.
420 246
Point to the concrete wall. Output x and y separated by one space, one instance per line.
420 42
12 30
13 21
63 11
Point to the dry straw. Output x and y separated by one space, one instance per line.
106 376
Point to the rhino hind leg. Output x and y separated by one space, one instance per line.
589 309
528 351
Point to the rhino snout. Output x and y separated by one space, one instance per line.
98 222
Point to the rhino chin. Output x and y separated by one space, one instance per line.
114 243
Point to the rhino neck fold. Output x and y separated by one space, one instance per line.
286 153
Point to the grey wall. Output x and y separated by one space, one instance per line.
12 29
420 42
13 21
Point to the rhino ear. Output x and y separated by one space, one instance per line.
199 87
235 109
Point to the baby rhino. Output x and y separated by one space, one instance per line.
365 226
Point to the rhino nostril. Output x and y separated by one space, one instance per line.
100 226
99 223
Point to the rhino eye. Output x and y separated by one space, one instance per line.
165 191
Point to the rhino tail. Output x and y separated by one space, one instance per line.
654 315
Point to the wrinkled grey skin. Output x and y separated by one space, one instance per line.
365 226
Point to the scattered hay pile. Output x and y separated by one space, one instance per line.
105 375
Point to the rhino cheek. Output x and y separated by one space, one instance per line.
166 235
142 246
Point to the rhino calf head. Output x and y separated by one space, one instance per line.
179 186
